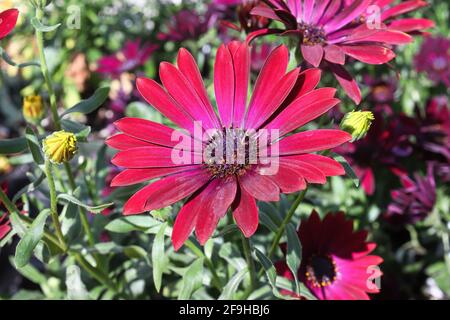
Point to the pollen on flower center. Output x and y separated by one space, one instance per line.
230 152
312 34
321 270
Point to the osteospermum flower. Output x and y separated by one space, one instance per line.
60 146
132 56
433 59
329 31
33 108
185 25
336 262
219 171
415 201
8 20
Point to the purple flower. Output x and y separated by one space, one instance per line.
131 56
434 59
414 201
186 24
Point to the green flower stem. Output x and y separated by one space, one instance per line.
46 73
54 204
250 262
7 203
199 253
282 227
57 120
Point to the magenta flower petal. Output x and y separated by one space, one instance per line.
313 54
260 187
224 85
165 192
8 20
370 54
245 212
132 176
124 142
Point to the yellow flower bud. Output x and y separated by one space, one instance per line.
357 123
5 166
33 108
60 146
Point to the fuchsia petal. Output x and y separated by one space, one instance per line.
8 20
241 63
146 157
189 69
304 110
347 82
165 192
245 212
272 72
123 142
371 54
312 54
133 176
328 166
356 9
224 85
153 132
306 82
216 198
182 91
401 8
260 187
334 54
411 24
311 141
155 95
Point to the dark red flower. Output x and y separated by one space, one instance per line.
381 91
220 171
330 30
8 20
433 59
415 201
336 264
185 25
5 225
129 58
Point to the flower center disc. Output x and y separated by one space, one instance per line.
230 152
312 34
321 271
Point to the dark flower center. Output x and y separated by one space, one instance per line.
230 152
439 63
312 34
321 270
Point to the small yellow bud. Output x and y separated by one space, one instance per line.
5 166
33 108
60 146
357 123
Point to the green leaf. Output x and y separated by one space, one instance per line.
132 223
91 104
231 287
80 130
34 146
348 169
93 209
30 240
192 280
271 273
15 145
76 290
158 257
70 219
294 253
29 187
40 27
134 252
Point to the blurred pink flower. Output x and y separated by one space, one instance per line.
131 56
434 59
185 25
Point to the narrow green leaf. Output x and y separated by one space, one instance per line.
80 130
271 273
30 240
40 27
76 290
348 169
134 252
91 104
34 146
192 280
93 209
29 187
231 287
132 223
158 257
294 253
15 145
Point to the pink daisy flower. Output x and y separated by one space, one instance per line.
336 261
129 58
433 59
215 181
331 30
